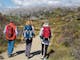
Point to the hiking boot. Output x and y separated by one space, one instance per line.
10 55
28 57
42 57
45 59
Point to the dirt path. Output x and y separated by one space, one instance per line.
20 50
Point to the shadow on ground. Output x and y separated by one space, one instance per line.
23 51
50 53
1 57
35 53
18 53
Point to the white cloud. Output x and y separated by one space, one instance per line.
35 2
48 2
53 2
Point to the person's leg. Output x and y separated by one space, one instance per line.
45 49
28 47
42 48
10 47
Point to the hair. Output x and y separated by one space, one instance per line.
46 24
29 22
11 21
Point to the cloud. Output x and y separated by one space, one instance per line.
53 2
47 2
34 2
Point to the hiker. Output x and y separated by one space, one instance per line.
10 32
45 35
28 37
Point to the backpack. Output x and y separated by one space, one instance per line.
10 31
46 32
29 32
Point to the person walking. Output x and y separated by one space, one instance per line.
10 32
45 35
28 37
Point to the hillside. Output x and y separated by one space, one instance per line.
66 39
65 24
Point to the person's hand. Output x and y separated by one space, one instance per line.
34 36
30 38
41 37
25 39
41 40
50 37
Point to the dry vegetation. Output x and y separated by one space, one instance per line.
65 26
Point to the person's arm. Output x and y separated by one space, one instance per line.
24 32
16 31
50 34
40 34
33 30
4 30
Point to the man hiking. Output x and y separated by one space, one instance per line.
45 35
28 37
10 32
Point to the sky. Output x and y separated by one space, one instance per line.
25 3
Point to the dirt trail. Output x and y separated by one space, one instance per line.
20 49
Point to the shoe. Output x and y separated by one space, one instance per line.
45 58
10 55
42 57
28 57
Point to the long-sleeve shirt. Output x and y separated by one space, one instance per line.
33 30
41 31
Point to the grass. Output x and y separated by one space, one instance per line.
62 53
65 26
3 45
65 39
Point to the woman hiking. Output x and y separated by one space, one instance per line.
28 36
45 35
